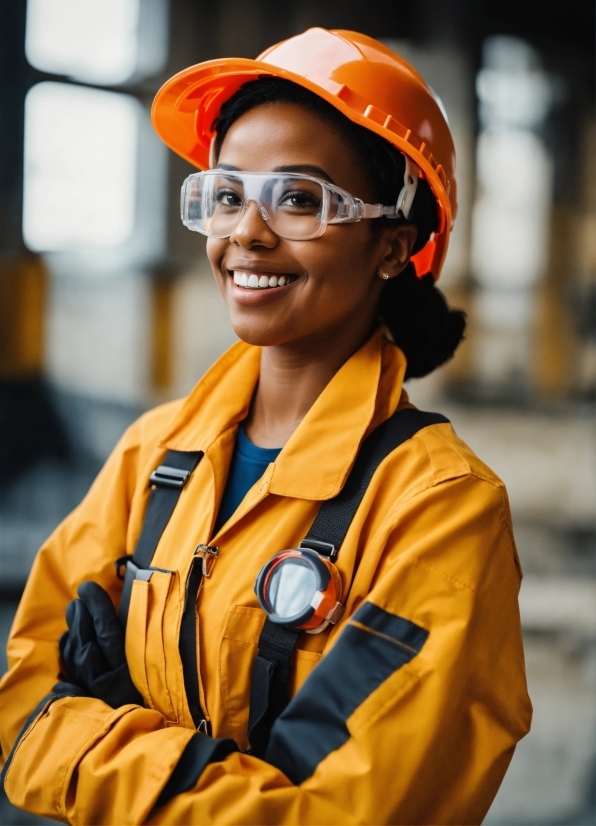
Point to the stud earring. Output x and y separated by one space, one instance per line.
385 276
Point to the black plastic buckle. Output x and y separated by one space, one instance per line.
322 548
120 565
169 477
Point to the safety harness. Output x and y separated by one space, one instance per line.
271 668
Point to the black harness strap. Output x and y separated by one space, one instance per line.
271 670
270 674
167 483
335 515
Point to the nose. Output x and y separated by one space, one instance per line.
252 230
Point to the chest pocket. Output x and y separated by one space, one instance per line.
237 653
151 643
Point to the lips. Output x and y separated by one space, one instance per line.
261 281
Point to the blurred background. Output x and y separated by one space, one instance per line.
108 307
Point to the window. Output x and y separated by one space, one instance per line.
80 167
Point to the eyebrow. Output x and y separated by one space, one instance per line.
301 167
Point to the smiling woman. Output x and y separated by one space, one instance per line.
317 614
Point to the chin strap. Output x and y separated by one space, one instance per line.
406 196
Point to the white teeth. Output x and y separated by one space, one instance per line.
260 282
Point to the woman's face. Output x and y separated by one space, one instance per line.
334 280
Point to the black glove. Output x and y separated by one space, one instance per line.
93 650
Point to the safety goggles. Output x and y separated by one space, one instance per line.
299 588
297 207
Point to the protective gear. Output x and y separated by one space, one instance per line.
419 690
296 206
92 650
364 79
300 589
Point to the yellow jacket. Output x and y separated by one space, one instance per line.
431 543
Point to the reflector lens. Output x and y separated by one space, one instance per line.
298 588
291 588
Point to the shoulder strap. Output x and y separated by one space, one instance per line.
167 483
268 695
335 515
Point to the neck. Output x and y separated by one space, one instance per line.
291 380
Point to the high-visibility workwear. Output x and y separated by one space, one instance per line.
365 80
406 711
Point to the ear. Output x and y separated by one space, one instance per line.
394 249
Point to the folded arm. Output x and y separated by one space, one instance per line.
412 716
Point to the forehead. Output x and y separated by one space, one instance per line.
283 134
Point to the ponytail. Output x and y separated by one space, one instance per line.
420 321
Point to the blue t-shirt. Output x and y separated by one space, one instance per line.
248 464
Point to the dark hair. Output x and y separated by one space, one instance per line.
413 308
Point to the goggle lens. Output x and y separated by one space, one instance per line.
296 207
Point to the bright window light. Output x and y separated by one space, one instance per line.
95 41
514 169
80 167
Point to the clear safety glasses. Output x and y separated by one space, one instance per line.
296 207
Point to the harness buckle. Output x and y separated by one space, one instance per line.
169 477
322 548
208 555
120 565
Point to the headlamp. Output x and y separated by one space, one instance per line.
299 588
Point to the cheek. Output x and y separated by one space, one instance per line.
215 249
343 259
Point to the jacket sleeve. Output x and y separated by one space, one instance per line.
84 546
411 717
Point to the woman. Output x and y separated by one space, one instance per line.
327 211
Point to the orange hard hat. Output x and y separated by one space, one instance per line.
367 81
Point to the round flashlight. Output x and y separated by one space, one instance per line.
300 589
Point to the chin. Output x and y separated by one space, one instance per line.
258 335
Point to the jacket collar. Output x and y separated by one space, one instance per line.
317 458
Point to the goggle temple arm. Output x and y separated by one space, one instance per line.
404 203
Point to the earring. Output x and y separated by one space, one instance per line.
385 276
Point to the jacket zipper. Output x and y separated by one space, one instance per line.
201 566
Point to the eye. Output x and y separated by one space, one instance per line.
299 199
228 198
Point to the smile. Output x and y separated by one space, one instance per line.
252 281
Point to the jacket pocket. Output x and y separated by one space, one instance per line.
150 656
237 652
